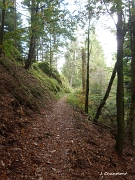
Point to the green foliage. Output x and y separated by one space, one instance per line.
77 99
10 50
72 67
44 66
48 83
57 83
31 86
51 24
65 84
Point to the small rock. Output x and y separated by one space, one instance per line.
53 169
41 178
53 151
2 163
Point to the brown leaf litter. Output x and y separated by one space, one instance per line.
60 144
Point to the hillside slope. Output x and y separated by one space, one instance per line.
43 139
23 92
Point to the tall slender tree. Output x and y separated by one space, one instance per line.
99 109
33 36
120 89
132 107
88 60
83 69
15 19
2 27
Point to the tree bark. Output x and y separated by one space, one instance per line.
15 23
120 89
2 28
31 52
132 107
105 96
83 70
32 38
88 60
51 55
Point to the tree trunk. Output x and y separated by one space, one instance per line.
71 82
105 96
15 23
51 55
32 38
42 49
83 69
88 60
31 52
2 28
120 88
132 108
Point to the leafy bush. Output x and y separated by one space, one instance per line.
65 84
77 99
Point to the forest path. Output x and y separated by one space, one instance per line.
42 146
60 134
59 144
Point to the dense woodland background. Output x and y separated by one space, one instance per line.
37 34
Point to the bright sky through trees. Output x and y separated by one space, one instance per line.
105 37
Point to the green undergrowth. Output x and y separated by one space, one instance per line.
30 88
76 99
108 114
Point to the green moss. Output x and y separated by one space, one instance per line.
46 82
31 87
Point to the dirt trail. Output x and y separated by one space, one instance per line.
58 144
39 149
61 135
